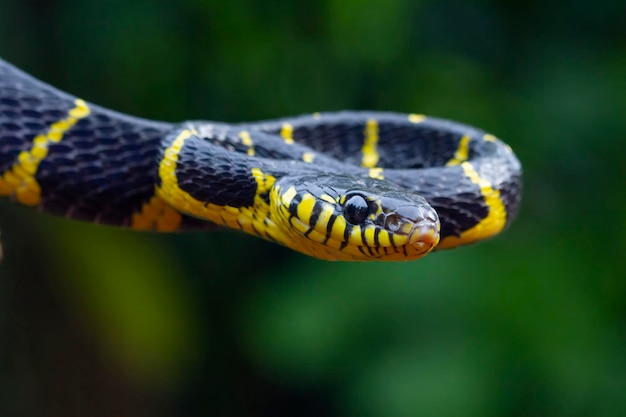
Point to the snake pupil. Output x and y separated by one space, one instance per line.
356 209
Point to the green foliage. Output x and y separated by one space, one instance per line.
527 324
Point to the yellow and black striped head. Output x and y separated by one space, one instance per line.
337 217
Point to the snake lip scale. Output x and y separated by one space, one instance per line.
351 185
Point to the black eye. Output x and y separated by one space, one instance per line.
356 209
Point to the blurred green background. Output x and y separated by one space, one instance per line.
100 322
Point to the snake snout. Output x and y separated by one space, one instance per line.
425 226
425 236
414 223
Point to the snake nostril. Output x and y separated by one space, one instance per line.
392 222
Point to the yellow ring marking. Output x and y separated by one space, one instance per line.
300 226
490 225
405 229
379 208
383 238
376 173
20 179
369 236
328 199
491 138
288 196
316 236
339 228
370 153
264 181
462 153
286 131
156 214
416 118
247 141
317 115
249 219
355 236
325 215
305 208
400 240
308 157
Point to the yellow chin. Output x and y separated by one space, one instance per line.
406 248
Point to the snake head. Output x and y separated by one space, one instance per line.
343 218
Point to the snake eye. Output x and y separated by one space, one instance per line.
356 209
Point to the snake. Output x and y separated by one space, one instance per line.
346 185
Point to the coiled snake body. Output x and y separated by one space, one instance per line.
345 186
